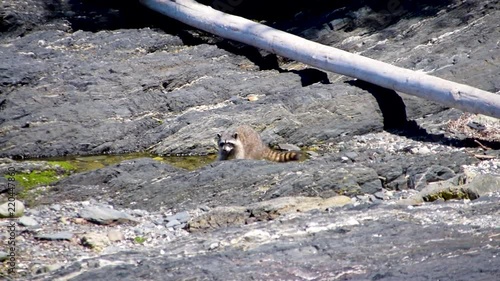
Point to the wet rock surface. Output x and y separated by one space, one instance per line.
395 187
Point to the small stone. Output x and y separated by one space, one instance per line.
138 231
105 216
55 207
3 256
63 235
181 217
96 241
312 153
204 208
389 194
79 221
373 199
288 147
173 223
379 195
159 221
14 209
180 226
344 159
27 221
424 150
52 267
213 246
252 97
256 236
115 235
351 155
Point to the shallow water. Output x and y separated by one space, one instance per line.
87 163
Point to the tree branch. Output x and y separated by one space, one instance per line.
429 87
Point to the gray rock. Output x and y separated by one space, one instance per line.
180 226
115 88
27 221
412 171
482 185
102 215
115 235
95 241
351 155
12 209
55 207
173 223
371 244
42 269
312 154
160 221
63 235
288 147
3 256
181 217
380 195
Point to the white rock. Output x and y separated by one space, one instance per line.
13 209
27 221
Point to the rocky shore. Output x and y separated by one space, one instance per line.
394 187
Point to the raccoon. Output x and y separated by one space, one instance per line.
245 143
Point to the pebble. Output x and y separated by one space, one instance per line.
27 221
173 223
420 150
55 207
181 217
3 256
205 208
312 154
288 147
63 235
180 226
159 221
380 195
105 216
213 246
115 235
96 241
14 209
351 155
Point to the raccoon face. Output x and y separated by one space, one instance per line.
227 145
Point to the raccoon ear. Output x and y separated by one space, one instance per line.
235 136
218 136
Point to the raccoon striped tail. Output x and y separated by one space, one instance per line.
282 156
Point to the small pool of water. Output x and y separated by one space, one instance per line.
87 163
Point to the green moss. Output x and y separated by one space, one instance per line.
139 239
29 180
456 194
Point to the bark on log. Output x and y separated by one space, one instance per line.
429 87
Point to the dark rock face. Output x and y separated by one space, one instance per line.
147 184
86 93
85 78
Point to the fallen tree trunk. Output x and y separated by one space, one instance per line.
448 93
